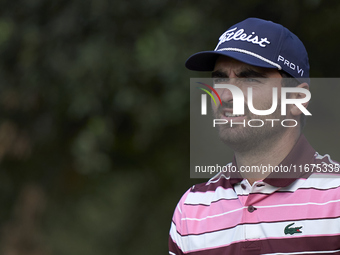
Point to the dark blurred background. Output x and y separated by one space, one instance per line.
94 123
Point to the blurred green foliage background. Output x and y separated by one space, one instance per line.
94 123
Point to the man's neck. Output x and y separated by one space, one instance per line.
269 153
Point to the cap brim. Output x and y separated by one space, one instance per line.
205 60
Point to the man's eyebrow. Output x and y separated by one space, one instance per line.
247 73
251 73
220 74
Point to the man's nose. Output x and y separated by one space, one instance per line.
225 93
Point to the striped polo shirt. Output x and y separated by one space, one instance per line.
295 215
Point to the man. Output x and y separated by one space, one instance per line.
261 213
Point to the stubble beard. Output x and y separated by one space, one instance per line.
245 139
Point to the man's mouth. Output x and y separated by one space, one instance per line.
226 111
229 114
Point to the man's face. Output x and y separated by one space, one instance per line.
262 81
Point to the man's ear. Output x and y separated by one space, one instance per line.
294 110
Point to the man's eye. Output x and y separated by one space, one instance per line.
221 80
251 80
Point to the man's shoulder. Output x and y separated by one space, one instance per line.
326 158
220 180
321 173
324 165
206 193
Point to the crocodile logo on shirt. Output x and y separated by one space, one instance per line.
292 231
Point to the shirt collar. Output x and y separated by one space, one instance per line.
301 154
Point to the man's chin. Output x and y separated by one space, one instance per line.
240 138
234 137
